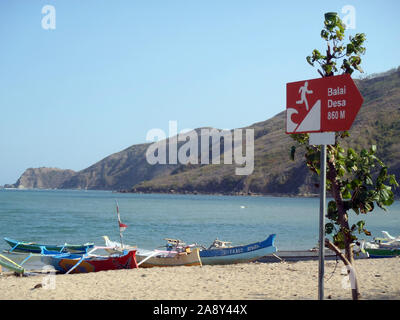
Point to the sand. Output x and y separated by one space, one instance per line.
378 278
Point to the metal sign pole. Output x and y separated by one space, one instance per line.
322 206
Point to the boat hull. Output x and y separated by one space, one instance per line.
64 262
32 247
239 254
304 255
383 253
168 259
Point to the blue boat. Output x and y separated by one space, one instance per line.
220 253
33 247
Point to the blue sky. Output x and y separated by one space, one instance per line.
113 70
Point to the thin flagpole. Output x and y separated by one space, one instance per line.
119 227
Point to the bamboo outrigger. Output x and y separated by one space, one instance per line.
11 265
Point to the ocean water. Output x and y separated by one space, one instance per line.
60 216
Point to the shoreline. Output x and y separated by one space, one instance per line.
378 280
239 194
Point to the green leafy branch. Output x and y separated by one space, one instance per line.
334 33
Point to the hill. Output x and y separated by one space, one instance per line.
378 122
43 178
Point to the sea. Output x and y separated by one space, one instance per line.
81 216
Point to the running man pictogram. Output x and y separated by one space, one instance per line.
303 91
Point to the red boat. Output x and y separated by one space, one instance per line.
75 263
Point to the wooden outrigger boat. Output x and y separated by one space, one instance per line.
383 252
220 252
33 247
75 263
167 258
11 265
298 255
177 254
386 247
307 255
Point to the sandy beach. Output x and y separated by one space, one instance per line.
378 278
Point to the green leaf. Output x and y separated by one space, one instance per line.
349 49
316 55
359 68
324 34
393 181
346 194
368 180
329 227
351 153
327 68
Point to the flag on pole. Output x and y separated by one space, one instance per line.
122 226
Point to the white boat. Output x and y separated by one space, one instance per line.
177 254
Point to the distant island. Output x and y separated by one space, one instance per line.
274 173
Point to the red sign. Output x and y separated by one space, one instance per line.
322 105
